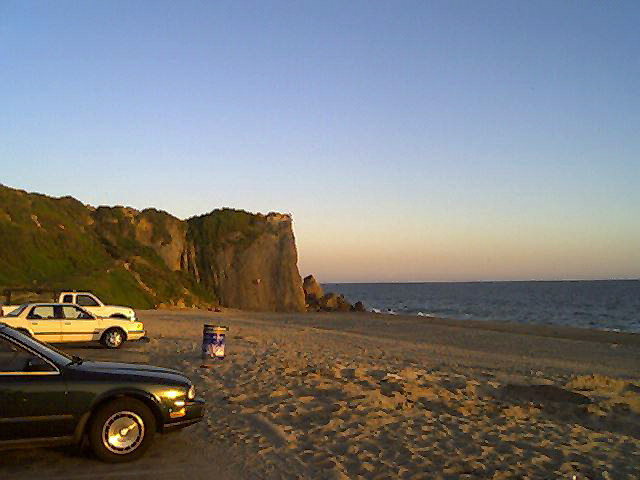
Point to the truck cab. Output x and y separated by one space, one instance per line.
93 304
84 299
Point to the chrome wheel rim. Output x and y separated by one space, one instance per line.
123 432
114 338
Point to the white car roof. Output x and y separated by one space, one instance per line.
51 304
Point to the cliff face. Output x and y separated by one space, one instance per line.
248 261
145 258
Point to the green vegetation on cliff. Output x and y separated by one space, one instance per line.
226 225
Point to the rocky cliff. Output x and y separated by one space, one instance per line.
248 261
317 301
147 258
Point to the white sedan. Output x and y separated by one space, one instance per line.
63 322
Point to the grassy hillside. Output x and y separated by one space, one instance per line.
45 239
61 243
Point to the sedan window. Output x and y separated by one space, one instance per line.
74 313
42 312
17 311
15 359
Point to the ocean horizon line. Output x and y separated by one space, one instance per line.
637 279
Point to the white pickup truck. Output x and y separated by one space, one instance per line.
89 302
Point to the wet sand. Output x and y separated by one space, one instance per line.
376 396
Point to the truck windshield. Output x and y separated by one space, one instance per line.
17 311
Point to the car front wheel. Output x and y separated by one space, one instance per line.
122 430
113 338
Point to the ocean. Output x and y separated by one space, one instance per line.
600 304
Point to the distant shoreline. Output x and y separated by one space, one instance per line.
482 324
539 330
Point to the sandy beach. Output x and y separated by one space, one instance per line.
371 396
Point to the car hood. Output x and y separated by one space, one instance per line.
132 369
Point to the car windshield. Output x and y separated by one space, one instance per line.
45 349
17 311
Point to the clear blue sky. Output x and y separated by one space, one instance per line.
411 140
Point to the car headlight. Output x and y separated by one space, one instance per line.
173 393
191 394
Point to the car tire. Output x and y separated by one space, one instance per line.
113 337
122 430
25 332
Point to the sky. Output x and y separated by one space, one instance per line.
411 141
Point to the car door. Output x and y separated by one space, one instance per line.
78 325
45 323
33 396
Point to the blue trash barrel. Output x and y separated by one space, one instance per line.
213 342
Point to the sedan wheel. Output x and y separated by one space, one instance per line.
122 430
113 338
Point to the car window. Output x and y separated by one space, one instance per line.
67 299
49 351
72 312
14 358
17 311
86 301
42 312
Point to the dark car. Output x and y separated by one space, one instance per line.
50 398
